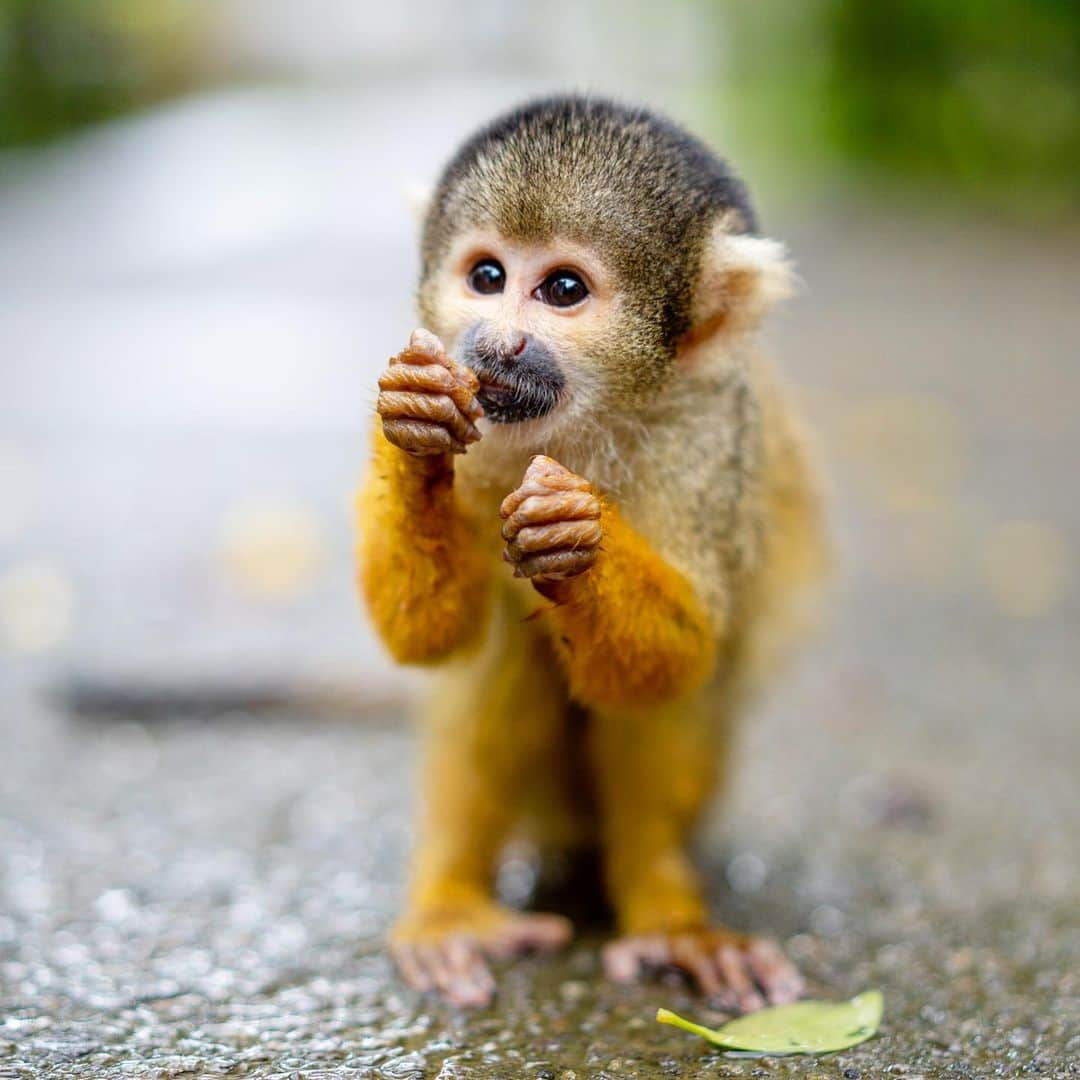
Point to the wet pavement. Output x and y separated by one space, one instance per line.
193 887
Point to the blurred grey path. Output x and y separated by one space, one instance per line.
193 307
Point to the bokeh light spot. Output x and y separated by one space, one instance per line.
1026 567
37 605
907 451
271 550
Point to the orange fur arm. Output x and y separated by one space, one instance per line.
421 570
631 630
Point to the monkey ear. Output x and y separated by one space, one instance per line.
742 278
418 199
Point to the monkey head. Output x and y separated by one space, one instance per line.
574 249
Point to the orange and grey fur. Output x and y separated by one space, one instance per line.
591 513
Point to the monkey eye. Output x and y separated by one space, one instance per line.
562 288
487 277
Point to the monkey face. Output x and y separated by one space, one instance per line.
535 320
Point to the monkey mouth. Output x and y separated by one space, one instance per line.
525 383
510 399
506 402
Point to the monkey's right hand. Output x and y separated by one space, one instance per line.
551 524
427 401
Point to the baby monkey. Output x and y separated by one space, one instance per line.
587 405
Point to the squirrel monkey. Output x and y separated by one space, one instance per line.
587 405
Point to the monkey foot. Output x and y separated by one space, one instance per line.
736 971
448 952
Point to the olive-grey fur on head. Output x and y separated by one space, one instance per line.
628 183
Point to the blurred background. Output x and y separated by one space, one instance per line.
206 256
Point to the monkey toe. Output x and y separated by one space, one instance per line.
455 968
735 972
774 972
449 955
530 933
625 960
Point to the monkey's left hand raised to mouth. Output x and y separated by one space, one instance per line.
551 524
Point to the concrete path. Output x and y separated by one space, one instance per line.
188 341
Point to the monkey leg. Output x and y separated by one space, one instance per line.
655 768
490 719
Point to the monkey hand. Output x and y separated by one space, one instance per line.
551 523
427 401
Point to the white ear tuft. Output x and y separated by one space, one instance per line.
742 278
768 260
418 199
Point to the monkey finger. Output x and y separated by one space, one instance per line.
416 437
458 382
538 932
542 509
551 475
516 497
540 484
432 408
554 565
465 399
431 379
425 348
555 535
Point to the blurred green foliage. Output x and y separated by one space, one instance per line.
67 63
980 98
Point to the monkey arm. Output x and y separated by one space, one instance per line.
421 569
631 630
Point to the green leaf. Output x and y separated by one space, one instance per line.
807 1027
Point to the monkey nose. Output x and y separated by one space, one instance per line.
519 348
